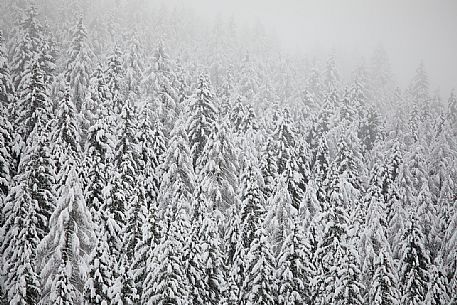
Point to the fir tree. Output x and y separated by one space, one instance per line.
212 262
6 130
295 270
66 136
38 161
29 46
165 270
32 99
123 184
178 178
438 288
63 251
384 285
114 78
100 275
260 285
414 265
218 170
202 115
77 72
252 202
18 247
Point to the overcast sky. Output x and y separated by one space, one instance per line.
410 30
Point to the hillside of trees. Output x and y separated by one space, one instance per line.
148 157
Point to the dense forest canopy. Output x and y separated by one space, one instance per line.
148 156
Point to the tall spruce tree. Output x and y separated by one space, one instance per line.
62 253
202 116
414 265
78 64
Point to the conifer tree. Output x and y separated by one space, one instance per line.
123 290
32 99
260 285
295 269
77 72
202 116
166 282
100 275
269 166
219 165
6 83
151 151
178 178
252 202
369 128
66 136
199 290
165 85
331 76
63 251
452 108
114 77
19 240
336 260
438 287
6 159
279 214
384 284
29 46
123 184
38 161
6 130
284 136
414 265
133 67
98 156
212 262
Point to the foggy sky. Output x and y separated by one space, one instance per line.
409 30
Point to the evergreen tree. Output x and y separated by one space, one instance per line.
19 240
252 202
133 67
30 46
6 159
331 76
219 165
77 72
62 253
269 166
384 285
38 162
212 262
202 116
6 129
178 178
414 275
100 275
279 215
295 270
151 151
260 285
452 108
114 78
6 83
66 136
165 281
123 184
98 156
33 103
438 288
338 277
